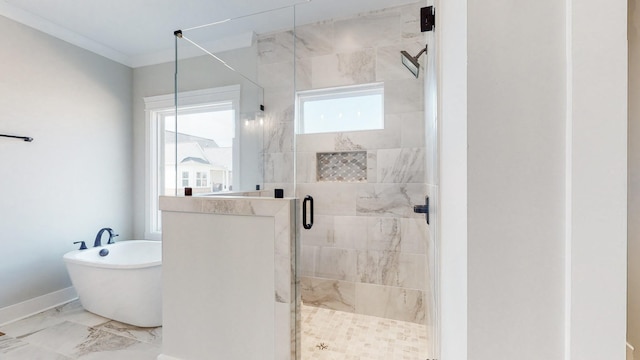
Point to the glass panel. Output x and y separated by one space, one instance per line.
367 266
246 148
220 133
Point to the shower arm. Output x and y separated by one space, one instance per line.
421 52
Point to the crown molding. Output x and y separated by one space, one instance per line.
29 19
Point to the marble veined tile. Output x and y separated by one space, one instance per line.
276 47
146 335
377 28
348 68
403 95
72 311
388 63
410 15
390 302
393 269
138 351
306 167
279 137
331 198
350 231
412 128
335 263
75 340
322 232
278 167
30 352
314 39
384 234
328 294
394 200
405 165
9 344
277 76
415 236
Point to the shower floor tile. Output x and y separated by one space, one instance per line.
336 335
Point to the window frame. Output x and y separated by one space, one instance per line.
155 106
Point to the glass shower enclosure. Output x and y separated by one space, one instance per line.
320 105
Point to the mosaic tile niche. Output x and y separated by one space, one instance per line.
350 166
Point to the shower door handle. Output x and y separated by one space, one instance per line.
307 203
423 209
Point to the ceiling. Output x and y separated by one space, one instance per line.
140 32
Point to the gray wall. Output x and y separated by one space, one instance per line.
75 177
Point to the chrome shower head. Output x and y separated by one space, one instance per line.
411 62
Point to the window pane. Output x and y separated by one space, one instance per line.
350 108
204 145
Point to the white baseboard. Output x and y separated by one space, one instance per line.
630 351
33 306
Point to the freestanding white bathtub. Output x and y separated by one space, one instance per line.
124 285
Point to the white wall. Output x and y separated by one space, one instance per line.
633 306
75 177
516 92
597 180
546 181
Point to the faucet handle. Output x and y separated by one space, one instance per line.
83 246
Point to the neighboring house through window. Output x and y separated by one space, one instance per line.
192 150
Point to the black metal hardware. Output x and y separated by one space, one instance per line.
83 246
25 138
427 18
423 209
99 237
307 224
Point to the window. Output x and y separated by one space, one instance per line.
185 178
201 179
348 108
202 144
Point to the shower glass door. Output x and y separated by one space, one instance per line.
365 152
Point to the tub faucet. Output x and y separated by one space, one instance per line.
99 237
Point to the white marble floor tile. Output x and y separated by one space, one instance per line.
145 335
70 332
72 311
31 352
75 340
137 351
9 344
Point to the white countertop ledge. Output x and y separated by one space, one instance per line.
225 205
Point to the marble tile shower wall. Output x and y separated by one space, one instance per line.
367 250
